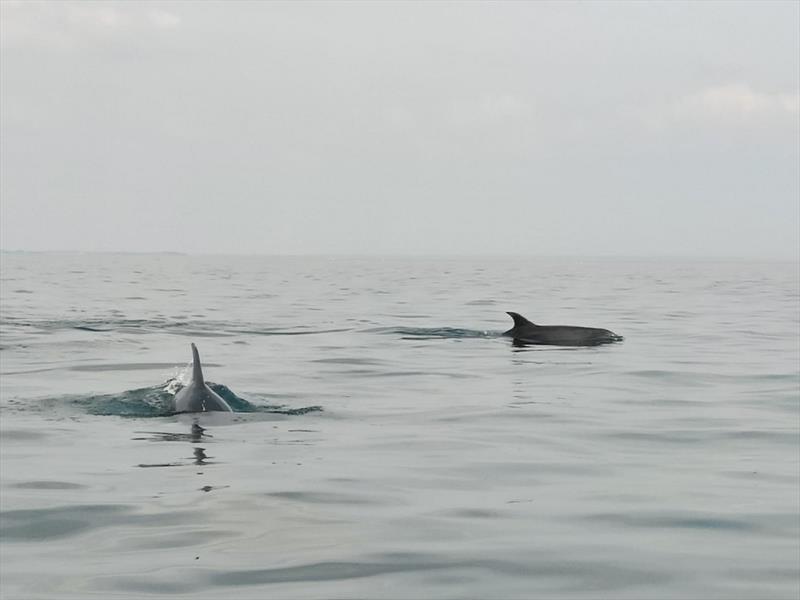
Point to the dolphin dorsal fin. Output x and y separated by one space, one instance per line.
197 370
519 320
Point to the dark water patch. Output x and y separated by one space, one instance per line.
142 402
290 331
704 436
199 333
272 398
566 574
707 378
49 485
29 371
524 469
292 443
324 498
767 575
679 314
211 488
352 360
433 333
760 476
450 375
324 571
658 374
99 325
481 303
239 404
20 435
34 525
161 540
156 401
661 437
179 326
474 513
297 411
354 372
793 377
707 522
788 435
130 367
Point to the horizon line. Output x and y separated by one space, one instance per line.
725 257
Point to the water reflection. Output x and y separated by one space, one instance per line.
200 456
196 434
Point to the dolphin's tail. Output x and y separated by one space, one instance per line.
197 370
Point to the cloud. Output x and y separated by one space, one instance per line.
97 17
727 104
70 25
736 100
163 19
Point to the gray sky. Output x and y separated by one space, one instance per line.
537 128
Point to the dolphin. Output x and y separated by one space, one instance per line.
525 332
197 396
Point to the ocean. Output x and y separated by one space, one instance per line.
387 441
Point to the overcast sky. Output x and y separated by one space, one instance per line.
536 128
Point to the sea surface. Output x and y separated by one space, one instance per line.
387 441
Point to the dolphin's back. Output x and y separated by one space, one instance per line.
568 335
197 396
558 335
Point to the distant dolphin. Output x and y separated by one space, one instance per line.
197 396
526 332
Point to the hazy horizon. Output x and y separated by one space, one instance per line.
543 129
426 256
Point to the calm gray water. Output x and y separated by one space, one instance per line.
387 443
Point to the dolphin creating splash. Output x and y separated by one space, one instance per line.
526 332
197 396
